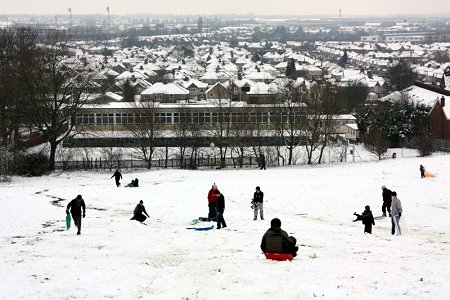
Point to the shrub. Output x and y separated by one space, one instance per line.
424 144
31 164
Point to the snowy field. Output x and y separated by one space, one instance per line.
116 258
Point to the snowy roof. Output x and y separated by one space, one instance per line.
161 88
419 95
259 76
197 83
114 96
260 88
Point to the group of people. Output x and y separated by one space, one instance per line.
216 206
391 204
118 176
275 240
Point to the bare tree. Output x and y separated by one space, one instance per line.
329 108
221 122
52 93
145 129
288 118
314 119
182 132
376 142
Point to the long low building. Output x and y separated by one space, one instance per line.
102 120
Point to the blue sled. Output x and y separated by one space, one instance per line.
201 228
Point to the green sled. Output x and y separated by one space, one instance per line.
68 221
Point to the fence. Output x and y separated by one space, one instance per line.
442 145
187 163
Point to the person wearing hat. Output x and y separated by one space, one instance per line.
387 195
258 198
139 212
77 208
367 219
276 240
213 195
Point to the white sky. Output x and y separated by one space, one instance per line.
203 7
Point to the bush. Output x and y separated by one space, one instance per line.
31 164
424 144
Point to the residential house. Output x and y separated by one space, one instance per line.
165 93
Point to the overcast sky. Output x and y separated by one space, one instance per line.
203 7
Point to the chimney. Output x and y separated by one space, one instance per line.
443 101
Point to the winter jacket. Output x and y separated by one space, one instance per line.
139 210
258 197
387 194
396 207
221 203
75 207
276 240
212 195
367 217
117 175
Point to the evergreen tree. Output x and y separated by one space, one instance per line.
291 72
128 91
401 76
344 58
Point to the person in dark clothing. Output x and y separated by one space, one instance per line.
276 240
213 195
262 162
133 183
220 209
77 208
387 199
117 175
422 171
258 198
367 219
140 213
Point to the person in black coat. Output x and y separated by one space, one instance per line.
220 209
367 219
276 240
387 200
257 203
77 208
422 171
117 176
140 213
262 162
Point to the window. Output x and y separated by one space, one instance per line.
215 118
163 118
110 119
193 90
85 119
158 97
118 119
171 97
79 119
176 118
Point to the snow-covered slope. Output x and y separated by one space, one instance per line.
121 259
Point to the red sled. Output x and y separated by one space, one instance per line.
279 256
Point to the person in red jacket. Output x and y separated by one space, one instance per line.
213 195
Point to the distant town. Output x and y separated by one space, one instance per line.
194 91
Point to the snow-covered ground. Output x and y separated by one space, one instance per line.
122 259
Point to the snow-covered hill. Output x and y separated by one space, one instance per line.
117 258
